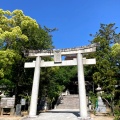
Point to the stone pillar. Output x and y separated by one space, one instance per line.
35 88
81 87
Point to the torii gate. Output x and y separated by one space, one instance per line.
79 61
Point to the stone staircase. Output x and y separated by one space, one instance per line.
68 102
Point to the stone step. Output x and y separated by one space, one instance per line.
70 96
69 102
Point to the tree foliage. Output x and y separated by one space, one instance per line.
21 32
18 33
55 80
7 59
106 72
116 50
105 68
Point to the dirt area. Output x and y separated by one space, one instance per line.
10 118
13 117
99 117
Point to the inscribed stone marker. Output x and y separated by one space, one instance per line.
57 56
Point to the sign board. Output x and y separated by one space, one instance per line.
7 102
23 101
57 56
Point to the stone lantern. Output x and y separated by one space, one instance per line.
99 90
100 107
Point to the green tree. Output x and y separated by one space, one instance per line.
7 59
19 33
107 68
116 50
116 55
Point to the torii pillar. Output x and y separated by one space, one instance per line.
81 87
35 88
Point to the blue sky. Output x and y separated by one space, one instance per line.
74 19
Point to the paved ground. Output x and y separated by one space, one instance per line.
57 115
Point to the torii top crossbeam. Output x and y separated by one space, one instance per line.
68 51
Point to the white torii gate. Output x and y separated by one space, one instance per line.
79 61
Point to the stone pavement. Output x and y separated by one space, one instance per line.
57 114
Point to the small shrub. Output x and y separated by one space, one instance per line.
117 112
